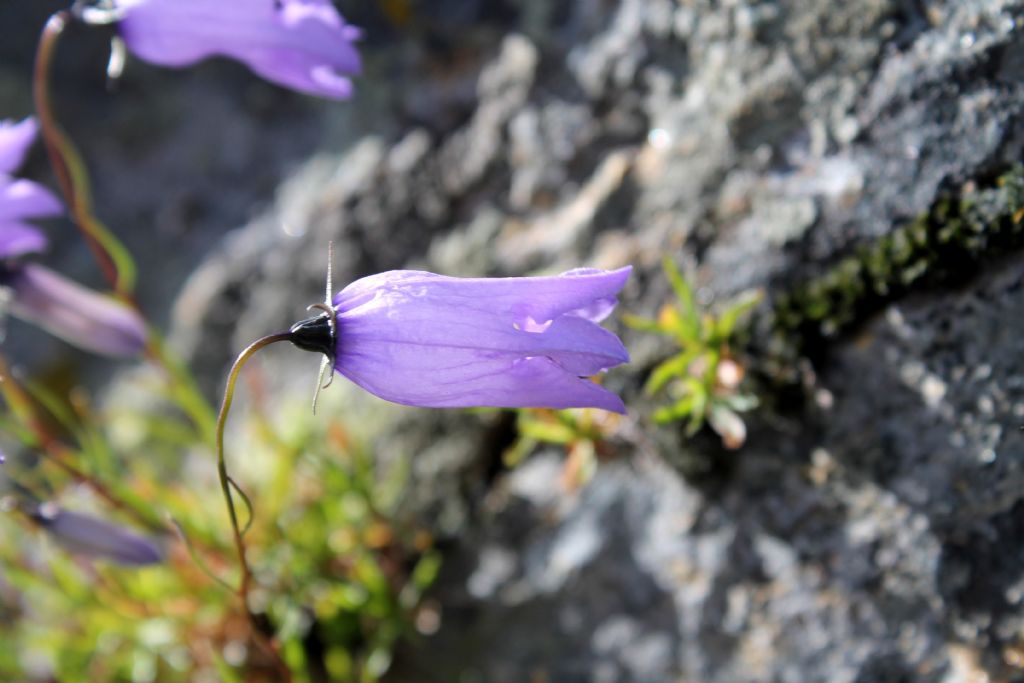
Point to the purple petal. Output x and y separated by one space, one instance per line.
429 340
15 139
17 239
301 44
26 199
97 538
530 301
74 313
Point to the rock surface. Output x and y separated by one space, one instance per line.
868 533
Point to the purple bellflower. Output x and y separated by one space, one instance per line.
304 45
85 535
429 340
39 295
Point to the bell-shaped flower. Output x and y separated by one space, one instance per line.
429 340
304 45
78 315
96 538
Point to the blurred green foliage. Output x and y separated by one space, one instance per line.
703 379
339 577
582 432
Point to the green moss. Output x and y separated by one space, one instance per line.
945 245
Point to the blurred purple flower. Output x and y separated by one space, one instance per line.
96 538
300 44
15 139
37 294
429 340
74 313
21 200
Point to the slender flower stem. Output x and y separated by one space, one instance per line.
69 168
227 483
196 557
114 259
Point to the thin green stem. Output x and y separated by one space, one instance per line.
114 259
110 253
248 504
182 386
227 484
196 558
222 469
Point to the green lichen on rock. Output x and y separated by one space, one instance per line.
943 246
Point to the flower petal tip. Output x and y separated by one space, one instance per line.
15 140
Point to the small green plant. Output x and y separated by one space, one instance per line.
583 432
703 378
340 572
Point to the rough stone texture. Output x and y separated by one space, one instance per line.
871 533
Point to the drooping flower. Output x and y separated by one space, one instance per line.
86 535
78 315
429 340
300 44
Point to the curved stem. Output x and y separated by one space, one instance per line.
196 558
227 484
248 504
110 253
114 259
222 470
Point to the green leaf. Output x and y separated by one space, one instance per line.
518 451
547 432
426 570
691 403
700 402
668 370
642 324
676 411
726 324
688 313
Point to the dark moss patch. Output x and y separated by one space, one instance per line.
948 245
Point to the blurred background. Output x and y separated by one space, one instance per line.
855 163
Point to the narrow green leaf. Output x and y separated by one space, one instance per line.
676 411
642 324
668 370
734 311
548 432
516 453
425 572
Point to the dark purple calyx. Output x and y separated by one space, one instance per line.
314 334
